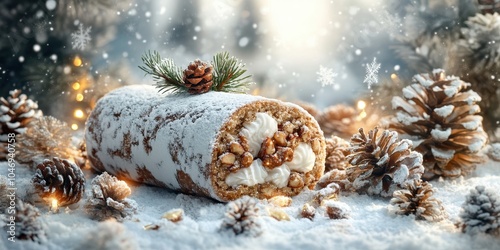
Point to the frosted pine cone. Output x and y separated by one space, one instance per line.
109 198
481 43
382 164
198 77
59 179
16 112
417 199
481 212
339 120
438 112
336 151
45 138
28 226
242 217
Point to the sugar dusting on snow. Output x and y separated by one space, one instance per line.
369 225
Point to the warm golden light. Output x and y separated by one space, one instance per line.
79 97
394 76
77 61
76 86
361 105
78 113
54 206
362 114
74 126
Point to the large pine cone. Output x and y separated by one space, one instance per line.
417 199
198 77
338 120
382 164
59 179
16 112
439 113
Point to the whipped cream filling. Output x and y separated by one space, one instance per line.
303 158
279 176
255 174
256 131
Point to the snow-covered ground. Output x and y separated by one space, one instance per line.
369 226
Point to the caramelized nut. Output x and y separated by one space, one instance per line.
308 211
280 138
236 148
227 159
315 145
295 181
244 142
285 154
246 159
288 127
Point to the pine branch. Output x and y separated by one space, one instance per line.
228 74
167 76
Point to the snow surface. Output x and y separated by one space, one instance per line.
369 224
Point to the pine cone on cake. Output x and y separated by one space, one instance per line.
481 212
417 199
198 77
382 164
336 152
59 179
242 217
16 112
339 120
439 113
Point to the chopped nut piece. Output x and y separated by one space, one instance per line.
244 142
278 214
174 215
285 154
151 227
236 148
331 192
295 181
288 127
228 159
305 133
280 138
246 159
281 201
308 211
315 145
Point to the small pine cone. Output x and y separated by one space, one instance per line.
59 179
109 198
417 199
339 120
45 137
242 217
198 77
16 112
382 164
438 112
336 152
481 212
28 226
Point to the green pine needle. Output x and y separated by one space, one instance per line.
228 74
167 76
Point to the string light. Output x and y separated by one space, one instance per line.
361 106
77 61
74 126
54 205
79 97
76 86
78 113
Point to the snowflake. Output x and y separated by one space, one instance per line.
326 76
389 23
371 76
81 38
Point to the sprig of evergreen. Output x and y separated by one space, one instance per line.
228 73
168 77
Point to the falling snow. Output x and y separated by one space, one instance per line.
326 76
371 76
81 38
